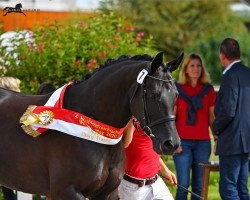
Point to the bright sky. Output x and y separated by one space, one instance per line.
87 4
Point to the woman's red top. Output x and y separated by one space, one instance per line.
141 159
200 130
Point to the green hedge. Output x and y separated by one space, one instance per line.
61 53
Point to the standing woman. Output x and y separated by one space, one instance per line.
194 112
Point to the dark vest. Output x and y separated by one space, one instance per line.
195 102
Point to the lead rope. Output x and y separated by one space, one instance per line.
198 196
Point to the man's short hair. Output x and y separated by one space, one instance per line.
230 48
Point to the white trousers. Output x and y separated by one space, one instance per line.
131 191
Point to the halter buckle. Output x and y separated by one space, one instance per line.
148 131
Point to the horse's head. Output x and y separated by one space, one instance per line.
156 94
18 6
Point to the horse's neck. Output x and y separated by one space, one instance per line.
104 97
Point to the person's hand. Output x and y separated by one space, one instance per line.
215 137
170 177
179 149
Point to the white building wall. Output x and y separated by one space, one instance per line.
42 5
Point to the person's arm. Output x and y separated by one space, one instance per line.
175 110
211 120
179 149
128 133
211 115
226 103
167 174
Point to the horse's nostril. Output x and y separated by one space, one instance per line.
168 143
169 146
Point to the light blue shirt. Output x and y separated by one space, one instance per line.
229 66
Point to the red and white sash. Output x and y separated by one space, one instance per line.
38 119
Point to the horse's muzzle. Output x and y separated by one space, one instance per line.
170 146
167 147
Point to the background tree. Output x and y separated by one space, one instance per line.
190 25
209 49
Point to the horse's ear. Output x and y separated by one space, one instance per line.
156 63
174 64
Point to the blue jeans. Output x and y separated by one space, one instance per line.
194 152
234 177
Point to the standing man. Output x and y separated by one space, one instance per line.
232 123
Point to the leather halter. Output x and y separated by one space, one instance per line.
146 125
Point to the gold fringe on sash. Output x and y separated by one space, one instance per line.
30 131
27 119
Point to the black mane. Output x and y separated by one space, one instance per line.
111 61
46 88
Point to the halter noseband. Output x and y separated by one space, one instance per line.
147 124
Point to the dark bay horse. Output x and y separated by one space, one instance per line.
64 167
17 9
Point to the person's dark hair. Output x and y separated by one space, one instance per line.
230 48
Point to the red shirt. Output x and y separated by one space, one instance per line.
200 130
141 160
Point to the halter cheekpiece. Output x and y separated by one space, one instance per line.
146 124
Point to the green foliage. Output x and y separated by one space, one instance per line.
209 50
62 53
1 27
176 25
190 25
